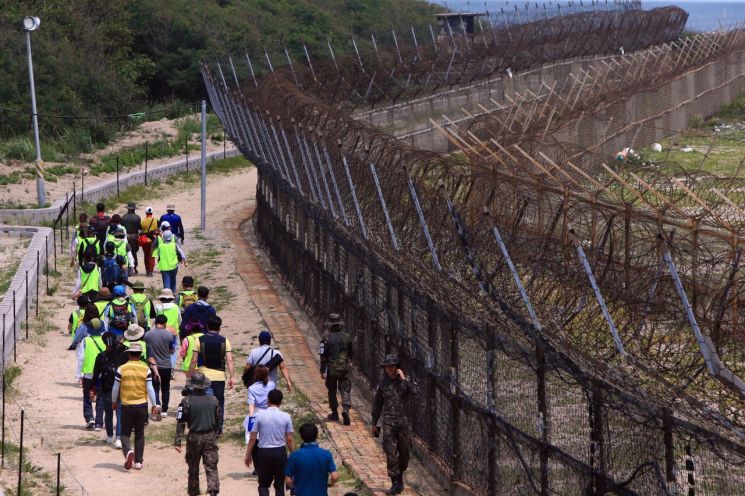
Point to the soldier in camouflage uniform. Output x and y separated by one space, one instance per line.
391 399
336 350
203 415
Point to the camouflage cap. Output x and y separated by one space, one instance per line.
390 359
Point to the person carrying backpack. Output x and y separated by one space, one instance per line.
100 223
76 316
121 248
190 343
187 296
104 372
120 312
201 310
114 224
88 282
90 347
79 233
336 351
113 267
144 307
265 355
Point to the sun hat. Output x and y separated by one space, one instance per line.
134 332
166 294
200 381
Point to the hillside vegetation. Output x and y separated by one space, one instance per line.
98 58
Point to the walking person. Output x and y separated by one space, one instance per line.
100 223
201 310
133 387
266 355
169 255
113 267
88 350
161 345
212 357
119 313
187 296
168 308
78 234
189 344
149 231
258 397
121 247
202 414
76 316
132 223
310 470
174 221
88 281
336 351
104 371
391 401
272 436
144 307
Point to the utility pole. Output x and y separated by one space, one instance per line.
203 223
31 23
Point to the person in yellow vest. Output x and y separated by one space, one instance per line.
189 345
102 299
89 349
88 281
76 316
80 232
187 295
121 247
169 255
134 335
144 306
169 308
133 387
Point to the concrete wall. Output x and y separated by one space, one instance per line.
33 263
108 188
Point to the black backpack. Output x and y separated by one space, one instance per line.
121 312
88 251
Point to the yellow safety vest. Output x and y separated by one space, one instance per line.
172 314
166 253
76 316
90 281
193 342
120 247
93 346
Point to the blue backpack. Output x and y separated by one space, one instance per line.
111 271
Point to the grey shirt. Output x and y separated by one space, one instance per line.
272 426
160 345
254 358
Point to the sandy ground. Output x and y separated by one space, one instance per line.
24 193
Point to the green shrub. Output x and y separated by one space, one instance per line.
18 148
696 121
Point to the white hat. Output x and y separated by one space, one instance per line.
167 236
149 210
165 225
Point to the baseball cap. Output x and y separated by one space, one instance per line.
265 336
149 210
167 236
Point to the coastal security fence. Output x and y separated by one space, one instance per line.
551 361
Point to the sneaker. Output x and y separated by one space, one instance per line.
163 414
333 416
118 443
138 466
97 428
129 460
109 439
345 416
90 425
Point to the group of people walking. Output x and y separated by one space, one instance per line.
130 346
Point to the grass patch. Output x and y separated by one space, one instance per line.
12 372
35 479
135 155
188 126
220 297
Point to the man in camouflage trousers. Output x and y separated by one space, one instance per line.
203 415
391 401
336 351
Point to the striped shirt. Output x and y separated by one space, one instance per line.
134 380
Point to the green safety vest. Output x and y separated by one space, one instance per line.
93 346
120 247
90 281
167 257
101 305
88 240
76 316
143 355
172 314
138 298
193 342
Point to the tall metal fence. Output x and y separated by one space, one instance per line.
507 409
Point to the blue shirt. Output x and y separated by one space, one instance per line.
176 226
258 394
309 467
272 426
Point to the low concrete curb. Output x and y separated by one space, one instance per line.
108 188
26 283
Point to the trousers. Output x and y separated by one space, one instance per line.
202 446
147 256
344 386
217 389
270 465
397 447
134 418
162 388
134 246
169 279
88 384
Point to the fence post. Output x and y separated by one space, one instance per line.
59 462
15 329
20 454
146 158
186 152
54 251
82 186
493 448
26 302
37 282
117 177
67 216
2 448
455 402
597 438
667 425
224 145
46 264
74 202
543 418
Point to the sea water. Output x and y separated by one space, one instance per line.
704 15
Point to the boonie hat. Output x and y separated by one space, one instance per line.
134 332
200 381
